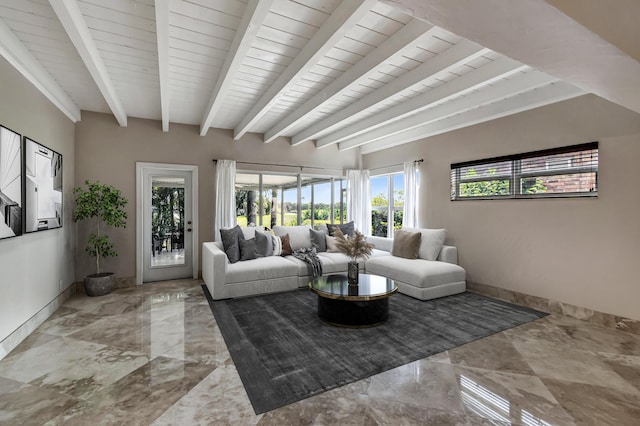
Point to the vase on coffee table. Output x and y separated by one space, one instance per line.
352 272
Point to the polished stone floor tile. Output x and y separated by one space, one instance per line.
492 353
596 405
218 399
24 404
423 383
153 354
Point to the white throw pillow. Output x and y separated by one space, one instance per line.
298 235
431 242
332 244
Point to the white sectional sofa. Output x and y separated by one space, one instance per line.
420 278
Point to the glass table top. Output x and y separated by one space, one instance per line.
370 287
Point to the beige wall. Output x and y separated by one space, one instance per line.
579 251
108 153
35 268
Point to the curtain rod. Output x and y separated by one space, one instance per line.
215 160
395 165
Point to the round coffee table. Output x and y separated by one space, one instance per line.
345 305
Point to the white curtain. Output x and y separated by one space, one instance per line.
410 210
225 196
359 200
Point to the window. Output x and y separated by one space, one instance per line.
387 201
561 172
269 200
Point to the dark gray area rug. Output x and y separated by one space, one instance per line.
284 353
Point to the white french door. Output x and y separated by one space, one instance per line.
167 222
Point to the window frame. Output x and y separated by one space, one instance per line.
391 207
334 181
516 177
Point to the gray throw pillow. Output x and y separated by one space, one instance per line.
346 228
406 244
230 243
318 240
264 244
247 249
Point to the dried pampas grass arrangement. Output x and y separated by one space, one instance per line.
355 247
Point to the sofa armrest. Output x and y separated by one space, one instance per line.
214 268
381 243
448 254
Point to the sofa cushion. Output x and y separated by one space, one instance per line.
286 245
248 231
264 244
262 268
417 272
277 245
247 249
346 228
406 244
318 240
332 242
298 235
333 263
431 242
230 244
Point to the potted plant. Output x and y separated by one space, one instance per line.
355 247
105 206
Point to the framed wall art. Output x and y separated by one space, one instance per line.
10 183
42 187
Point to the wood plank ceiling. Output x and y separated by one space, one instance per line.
358 73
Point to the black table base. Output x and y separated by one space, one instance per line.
348 313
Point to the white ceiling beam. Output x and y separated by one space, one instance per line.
162 35
255 13
552 93
433 68
12 49
71 18
472 80
515 85
548 40
394 47
343 19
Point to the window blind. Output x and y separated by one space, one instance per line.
570 171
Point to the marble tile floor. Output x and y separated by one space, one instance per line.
154 355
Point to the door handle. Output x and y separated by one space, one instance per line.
188 229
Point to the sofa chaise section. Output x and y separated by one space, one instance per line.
420 278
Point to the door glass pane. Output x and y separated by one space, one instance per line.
167 221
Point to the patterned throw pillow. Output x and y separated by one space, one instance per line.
277 245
